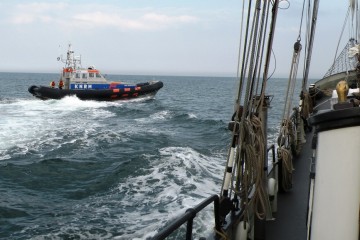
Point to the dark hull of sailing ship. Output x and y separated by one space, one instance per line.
148 89
262 199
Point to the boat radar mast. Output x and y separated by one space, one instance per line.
71 60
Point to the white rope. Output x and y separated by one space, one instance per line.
247 153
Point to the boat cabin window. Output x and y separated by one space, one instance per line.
91 75
77 75
98 75
84 75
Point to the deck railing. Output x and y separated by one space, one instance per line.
190 213
188 218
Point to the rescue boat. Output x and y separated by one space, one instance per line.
90 84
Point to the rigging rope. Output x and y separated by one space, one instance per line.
244 171
287 167
291 136
260 194
310 41
288 142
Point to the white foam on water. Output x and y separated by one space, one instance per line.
31 124
142 99
180 179
158 116
72 232
192 116
161 115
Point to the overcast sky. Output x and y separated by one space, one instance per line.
184 37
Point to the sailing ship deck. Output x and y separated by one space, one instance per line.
290 219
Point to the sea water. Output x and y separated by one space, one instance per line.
73 169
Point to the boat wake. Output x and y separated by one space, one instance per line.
106 170
178 178
170 181
36 127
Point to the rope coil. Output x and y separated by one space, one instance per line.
285 156
245 175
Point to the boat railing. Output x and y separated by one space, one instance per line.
191 213
188 218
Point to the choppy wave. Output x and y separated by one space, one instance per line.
106 170
44 126
174 181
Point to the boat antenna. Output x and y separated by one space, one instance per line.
71 61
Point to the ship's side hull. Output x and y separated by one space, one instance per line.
334 206
141 90
330 82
